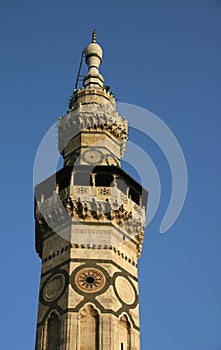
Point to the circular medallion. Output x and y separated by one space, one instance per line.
125 290
54 287
92 156
90 280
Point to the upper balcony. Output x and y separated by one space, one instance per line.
104 194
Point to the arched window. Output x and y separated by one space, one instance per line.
53 332
124 333
89 329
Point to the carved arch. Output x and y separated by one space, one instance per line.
124 327
52 331
89 325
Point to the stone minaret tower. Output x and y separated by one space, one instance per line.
90 219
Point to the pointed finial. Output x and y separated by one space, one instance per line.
93 58
94 36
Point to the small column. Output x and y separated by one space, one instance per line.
42 197
72 178
140 201
93 177
115 180
115 185
67 342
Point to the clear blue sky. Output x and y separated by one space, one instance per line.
161 55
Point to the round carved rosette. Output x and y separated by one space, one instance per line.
92 156
88 280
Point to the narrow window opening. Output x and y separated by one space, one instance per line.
53 335
124 331
134 196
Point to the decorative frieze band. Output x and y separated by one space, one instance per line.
97 119
88 246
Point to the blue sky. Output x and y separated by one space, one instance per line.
163 56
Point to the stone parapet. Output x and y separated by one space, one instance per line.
89 96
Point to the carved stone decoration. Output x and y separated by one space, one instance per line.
51 214
72 159
97 119
139 239
88 310
90 280
88 335
125 290
92 204
110 160
125 332
92 209
54 287
92 156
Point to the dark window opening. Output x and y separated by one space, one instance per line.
122 346
103 180
53 339
64 184
134 196
82 179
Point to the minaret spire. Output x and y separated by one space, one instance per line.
94 36
93 58
93 90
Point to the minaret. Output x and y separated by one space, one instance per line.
90 219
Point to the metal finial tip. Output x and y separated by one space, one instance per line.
94 36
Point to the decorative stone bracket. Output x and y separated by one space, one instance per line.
61 210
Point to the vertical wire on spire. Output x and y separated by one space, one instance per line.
94 36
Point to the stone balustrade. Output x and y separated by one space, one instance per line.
93 203
116 198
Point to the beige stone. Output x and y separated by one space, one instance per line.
90 236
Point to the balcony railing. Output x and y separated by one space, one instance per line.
87 194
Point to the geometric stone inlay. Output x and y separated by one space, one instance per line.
109 300
125 290
54 287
